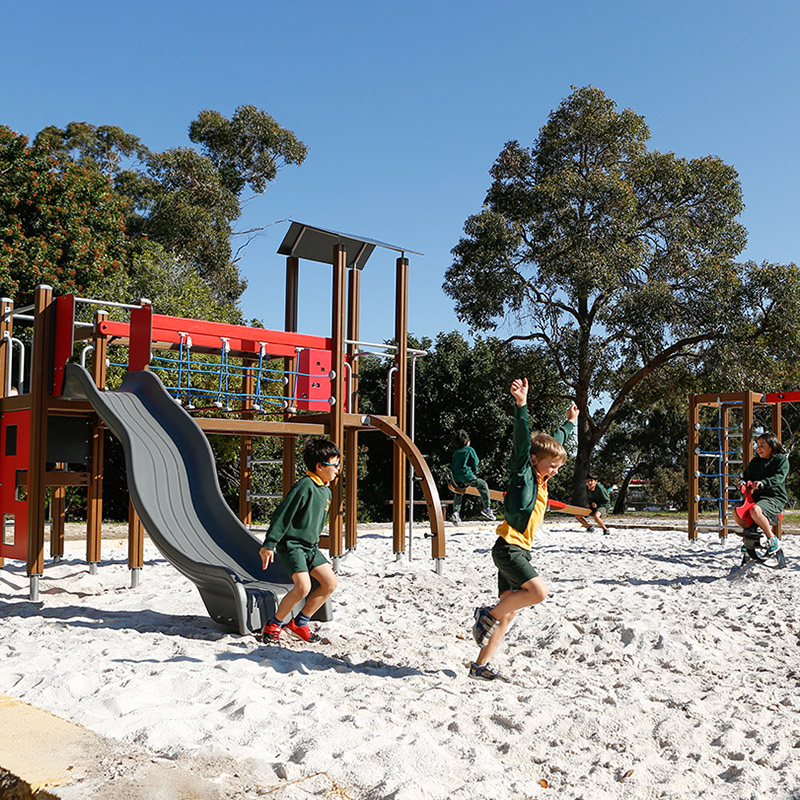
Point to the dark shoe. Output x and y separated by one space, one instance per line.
487 513
484 672
485 625
302 632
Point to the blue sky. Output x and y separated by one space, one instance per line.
405 106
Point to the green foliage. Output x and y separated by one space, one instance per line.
618 259
247 149
185 200
60 223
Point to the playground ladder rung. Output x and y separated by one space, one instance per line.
254 496
252 462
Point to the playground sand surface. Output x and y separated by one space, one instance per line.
655 669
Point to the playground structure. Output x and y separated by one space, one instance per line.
722 453
59 415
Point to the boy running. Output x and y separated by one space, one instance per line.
534 460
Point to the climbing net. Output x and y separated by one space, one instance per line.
717 455
209 381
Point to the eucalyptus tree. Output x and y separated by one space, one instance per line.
616 258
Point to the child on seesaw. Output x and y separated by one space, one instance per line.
535 459
599 500
293 536
767 473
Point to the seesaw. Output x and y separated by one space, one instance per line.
494 494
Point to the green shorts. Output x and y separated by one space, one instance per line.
513 565
297 557
601 510
772 508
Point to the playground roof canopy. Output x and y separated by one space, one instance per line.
316 244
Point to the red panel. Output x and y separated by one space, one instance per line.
15 438
782 397
314 382
63 337
141 329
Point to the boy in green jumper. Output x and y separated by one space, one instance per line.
534 460
598 500
463 467
293 536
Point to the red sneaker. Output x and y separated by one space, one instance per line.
271 632
301 631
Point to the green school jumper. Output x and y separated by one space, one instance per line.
300 517
522 487
599 495
772 472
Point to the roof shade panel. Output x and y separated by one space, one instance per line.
316 244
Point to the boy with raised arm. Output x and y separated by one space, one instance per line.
535 459
293 536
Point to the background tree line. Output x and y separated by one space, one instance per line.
611 267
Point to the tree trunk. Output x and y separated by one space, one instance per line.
619 503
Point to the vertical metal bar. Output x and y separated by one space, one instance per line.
400 403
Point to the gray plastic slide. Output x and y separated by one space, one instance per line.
173 484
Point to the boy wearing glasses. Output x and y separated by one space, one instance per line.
293 536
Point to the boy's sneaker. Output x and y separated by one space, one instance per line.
302 632
456 518
773 545
485 625
271 633
487 513
484 672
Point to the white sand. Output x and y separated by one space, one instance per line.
653 670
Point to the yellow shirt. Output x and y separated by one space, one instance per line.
525 539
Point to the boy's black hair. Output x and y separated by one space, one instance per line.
460 439
318 451
591 477
772 440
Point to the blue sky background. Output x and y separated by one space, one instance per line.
405 106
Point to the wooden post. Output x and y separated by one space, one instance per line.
135 539
40 381
725 417
6 325
337 390
58 504
694 482
351 435
290 365
400 403
94 506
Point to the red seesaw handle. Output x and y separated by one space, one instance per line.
743 511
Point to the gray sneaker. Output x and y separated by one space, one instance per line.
484 672
456 518
485 625
487 513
